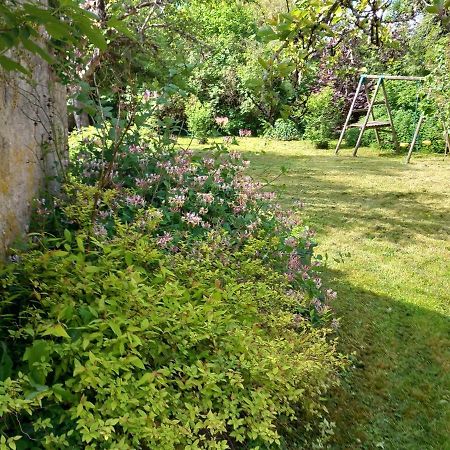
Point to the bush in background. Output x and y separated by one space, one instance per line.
283 130
200 119
322 118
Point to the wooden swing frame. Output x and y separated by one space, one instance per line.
377 126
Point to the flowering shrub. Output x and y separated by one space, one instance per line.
196 193
179 307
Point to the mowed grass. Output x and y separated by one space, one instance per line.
385 229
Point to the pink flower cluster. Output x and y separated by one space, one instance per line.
176 202
244 132
221 121
192 219
164 240
135 200
205 197
148 181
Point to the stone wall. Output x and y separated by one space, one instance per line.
33 132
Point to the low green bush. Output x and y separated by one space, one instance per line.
283 130
368 139
322 118
200 119
114 344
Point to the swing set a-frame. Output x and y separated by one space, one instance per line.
379 126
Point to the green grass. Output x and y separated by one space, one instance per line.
384 227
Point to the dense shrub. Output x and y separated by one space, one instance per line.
117 345
283 130
200 119
432 131
322 117
179 308
174 307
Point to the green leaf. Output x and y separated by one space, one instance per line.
94 35
146 378
80 244
121 27
136 362
8 40
128 258
58 31
56 330
38 352
433 9
11 65
116 328
36 49
67 235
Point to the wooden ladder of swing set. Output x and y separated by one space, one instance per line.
369 121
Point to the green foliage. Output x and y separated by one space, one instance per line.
283 130
65 23
199 118
121 346
322 117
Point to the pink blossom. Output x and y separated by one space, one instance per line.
201 179
100 231
206 197
146 182
243 132
291 242
135 200
209 162
317 305
164 240
317 282
135 149
148 95
221 121
294 263
177 201
192 219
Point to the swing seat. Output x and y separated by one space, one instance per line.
372 124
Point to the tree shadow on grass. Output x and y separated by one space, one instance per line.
391 212
397 395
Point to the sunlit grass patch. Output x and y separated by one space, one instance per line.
385 228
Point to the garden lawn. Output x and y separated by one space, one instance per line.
385 229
